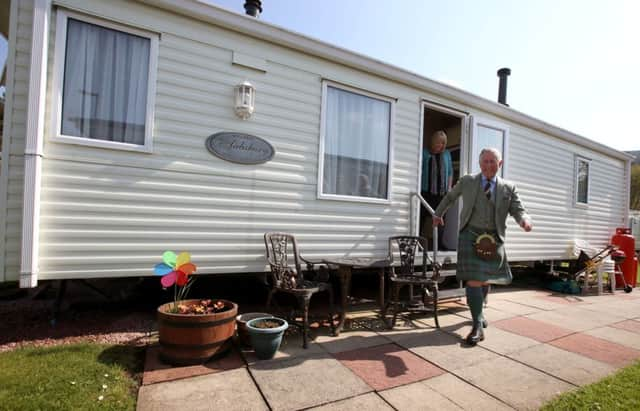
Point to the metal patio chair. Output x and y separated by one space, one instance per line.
288 277
408 274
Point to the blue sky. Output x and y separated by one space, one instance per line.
575 64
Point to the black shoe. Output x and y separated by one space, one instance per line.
475 336
485 323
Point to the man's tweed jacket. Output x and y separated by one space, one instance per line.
469 187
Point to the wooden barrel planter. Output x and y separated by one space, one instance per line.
187 339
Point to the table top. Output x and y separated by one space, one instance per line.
361 262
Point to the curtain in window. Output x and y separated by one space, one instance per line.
105 84
583 182
488 137
356 147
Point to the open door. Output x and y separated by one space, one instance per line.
453 123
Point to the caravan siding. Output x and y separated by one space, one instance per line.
15 140
542 166
112 213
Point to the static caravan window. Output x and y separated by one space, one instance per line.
355 145
105 83
489 134
582 174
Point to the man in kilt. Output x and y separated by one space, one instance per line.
487 200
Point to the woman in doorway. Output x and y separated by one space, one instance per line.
437 180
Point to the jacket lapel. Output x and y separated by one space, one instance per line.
499 197
478 189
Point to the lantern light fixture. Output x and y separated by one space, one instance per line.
245 95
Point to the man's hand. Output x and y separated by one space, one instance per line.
526 225
437 221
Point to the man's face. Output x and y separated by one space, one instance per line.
489 165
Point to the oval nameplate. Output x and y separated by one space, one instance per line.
240 148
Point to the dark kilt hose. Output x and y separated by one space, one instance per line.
472 267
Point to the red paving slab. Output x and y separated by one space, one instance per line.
388 366
527 327
597 349
629 325
156 371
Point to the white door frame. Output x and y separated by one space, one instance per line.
464 143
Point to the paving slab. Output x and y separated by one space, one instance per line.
597 349
568 366
291 347
490 314
417 396
351 340
553 302
464 394
516 384
534 329
228 390
388 366
305 382
617 335
371 401
504 342
601 318
448 319
512 307
445 392
156 371
629 325
620 308
445 350
556 318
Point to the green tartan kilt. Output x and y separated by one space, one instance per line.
471 267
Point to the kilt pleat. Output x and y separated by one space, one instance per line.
471 267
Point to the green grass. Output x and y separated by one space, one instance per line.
620 391
70 377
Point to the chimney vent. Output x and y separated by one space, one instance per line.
253 7
503 73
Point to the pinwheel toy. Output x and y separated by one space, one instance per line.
175 270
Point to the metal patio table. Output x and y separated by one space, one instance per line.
345 271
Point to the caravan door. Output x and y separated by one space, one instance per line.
437 118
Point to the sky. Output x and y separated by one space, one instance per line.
574 64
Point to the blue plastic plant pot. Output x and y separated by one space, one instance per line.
266 341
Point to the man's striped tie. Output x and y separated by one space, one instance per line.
487 190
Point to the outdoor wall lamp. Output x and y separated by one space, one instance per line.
245 95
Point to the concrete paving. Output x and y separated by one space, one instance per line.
538 345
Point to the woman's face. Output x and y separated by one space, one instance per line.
437 146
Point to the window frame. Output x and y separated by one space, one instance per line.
475 149
58 81
576 183
321 149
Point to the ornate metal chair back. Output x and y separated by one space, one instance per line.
408 247
281 247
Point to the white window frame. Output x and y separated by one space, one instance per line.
475 148
576 163
323 113
58 78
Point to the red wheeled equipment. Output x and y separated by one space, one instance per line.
628 264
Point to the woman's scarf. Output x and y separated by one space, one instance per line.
437 185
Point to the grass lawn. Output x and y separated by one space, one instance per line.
619 391
71 377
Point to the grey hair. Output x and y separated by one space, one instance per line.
440 134
496 153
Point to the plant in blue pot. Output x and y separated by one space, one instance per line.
266 335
